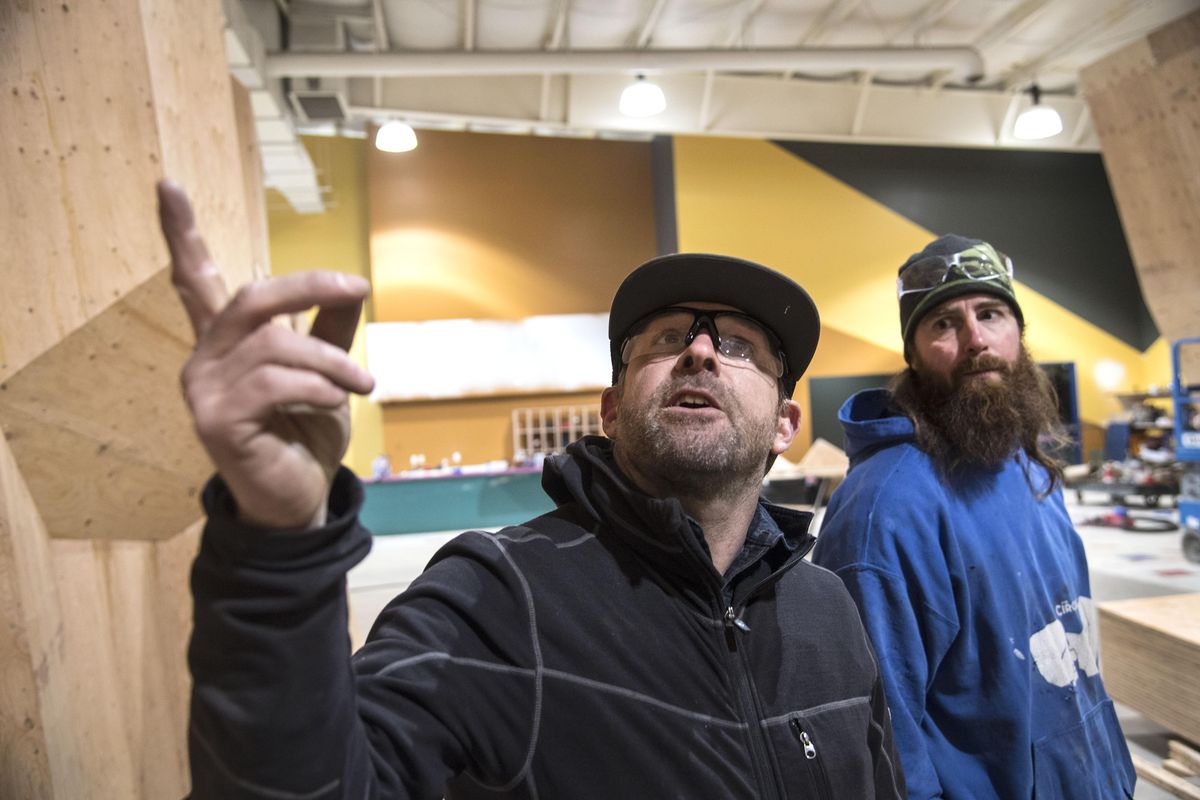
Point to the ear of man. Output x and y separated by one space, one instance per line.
610 400
788 425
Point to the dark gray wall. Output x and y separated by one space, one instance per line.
1053 213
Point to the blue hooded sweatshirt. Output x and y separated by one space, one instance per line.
975 594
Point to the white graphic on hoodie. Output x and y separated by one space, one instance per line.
1060 655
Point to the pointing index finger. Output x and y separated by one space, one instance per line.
339 297
193 272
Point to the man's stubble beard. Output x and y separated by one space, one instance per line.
975 422
701 459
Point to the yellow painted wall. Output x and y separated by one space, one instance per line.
758 201
335 240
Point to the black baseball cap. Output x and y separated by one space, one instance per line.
773 299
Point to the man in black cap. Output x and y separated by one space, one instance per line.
657 635
952 536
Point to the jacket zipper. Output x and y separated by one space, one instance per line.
763 772
733 620
810 753
760 761
734 615
759 748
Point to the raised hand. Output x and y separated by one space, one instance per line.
269 404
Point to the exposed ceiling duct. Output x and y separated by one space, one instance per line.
964 63
287 167
319 105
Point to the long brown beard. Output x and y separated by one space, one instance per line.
978 424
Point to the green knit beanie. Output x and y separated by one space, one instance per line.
951 266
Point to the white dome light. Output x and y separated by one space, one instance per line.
1037 121
642 99
396 137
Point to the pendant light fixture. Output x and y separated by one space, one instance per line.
642 99
395 136
1037 121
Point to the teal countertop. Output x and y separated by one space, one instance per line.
454 502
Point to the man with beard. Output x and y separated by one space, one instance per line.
951 534
657 635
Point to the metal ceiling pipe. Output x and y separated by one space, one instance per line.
963 62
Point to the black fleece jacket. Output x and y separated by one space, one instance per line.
590 653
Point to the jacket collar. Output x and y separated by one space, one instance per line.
587 475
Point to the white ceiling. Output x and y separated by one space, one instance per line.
926 72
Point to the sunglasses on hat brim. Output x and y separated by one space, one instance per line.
980 263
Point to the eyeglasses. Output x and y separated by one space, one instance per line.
740 340
980 263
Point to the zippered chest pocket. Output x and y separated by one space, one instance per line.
824 752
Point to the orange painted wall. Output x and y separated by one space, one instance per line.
498 227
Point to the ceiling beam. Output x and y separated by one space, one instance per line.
382 44
468 25
1010 23
860 107
557 34
737 36
1068 44
964 61
322 11
927 16
835 12
647 30
705 101
1007 25
748 107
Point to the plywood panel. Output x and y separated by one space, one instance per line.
99 428
1151 657
100 100
30 626
1145 100
94 737
136 685
78 158
196 129
93 676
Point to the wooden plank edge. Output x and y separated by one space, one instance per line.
1152 773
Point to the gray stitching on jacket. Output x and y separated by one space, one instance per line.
466 662
654 701
883 751
849 701
582 538
538 667
554 673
